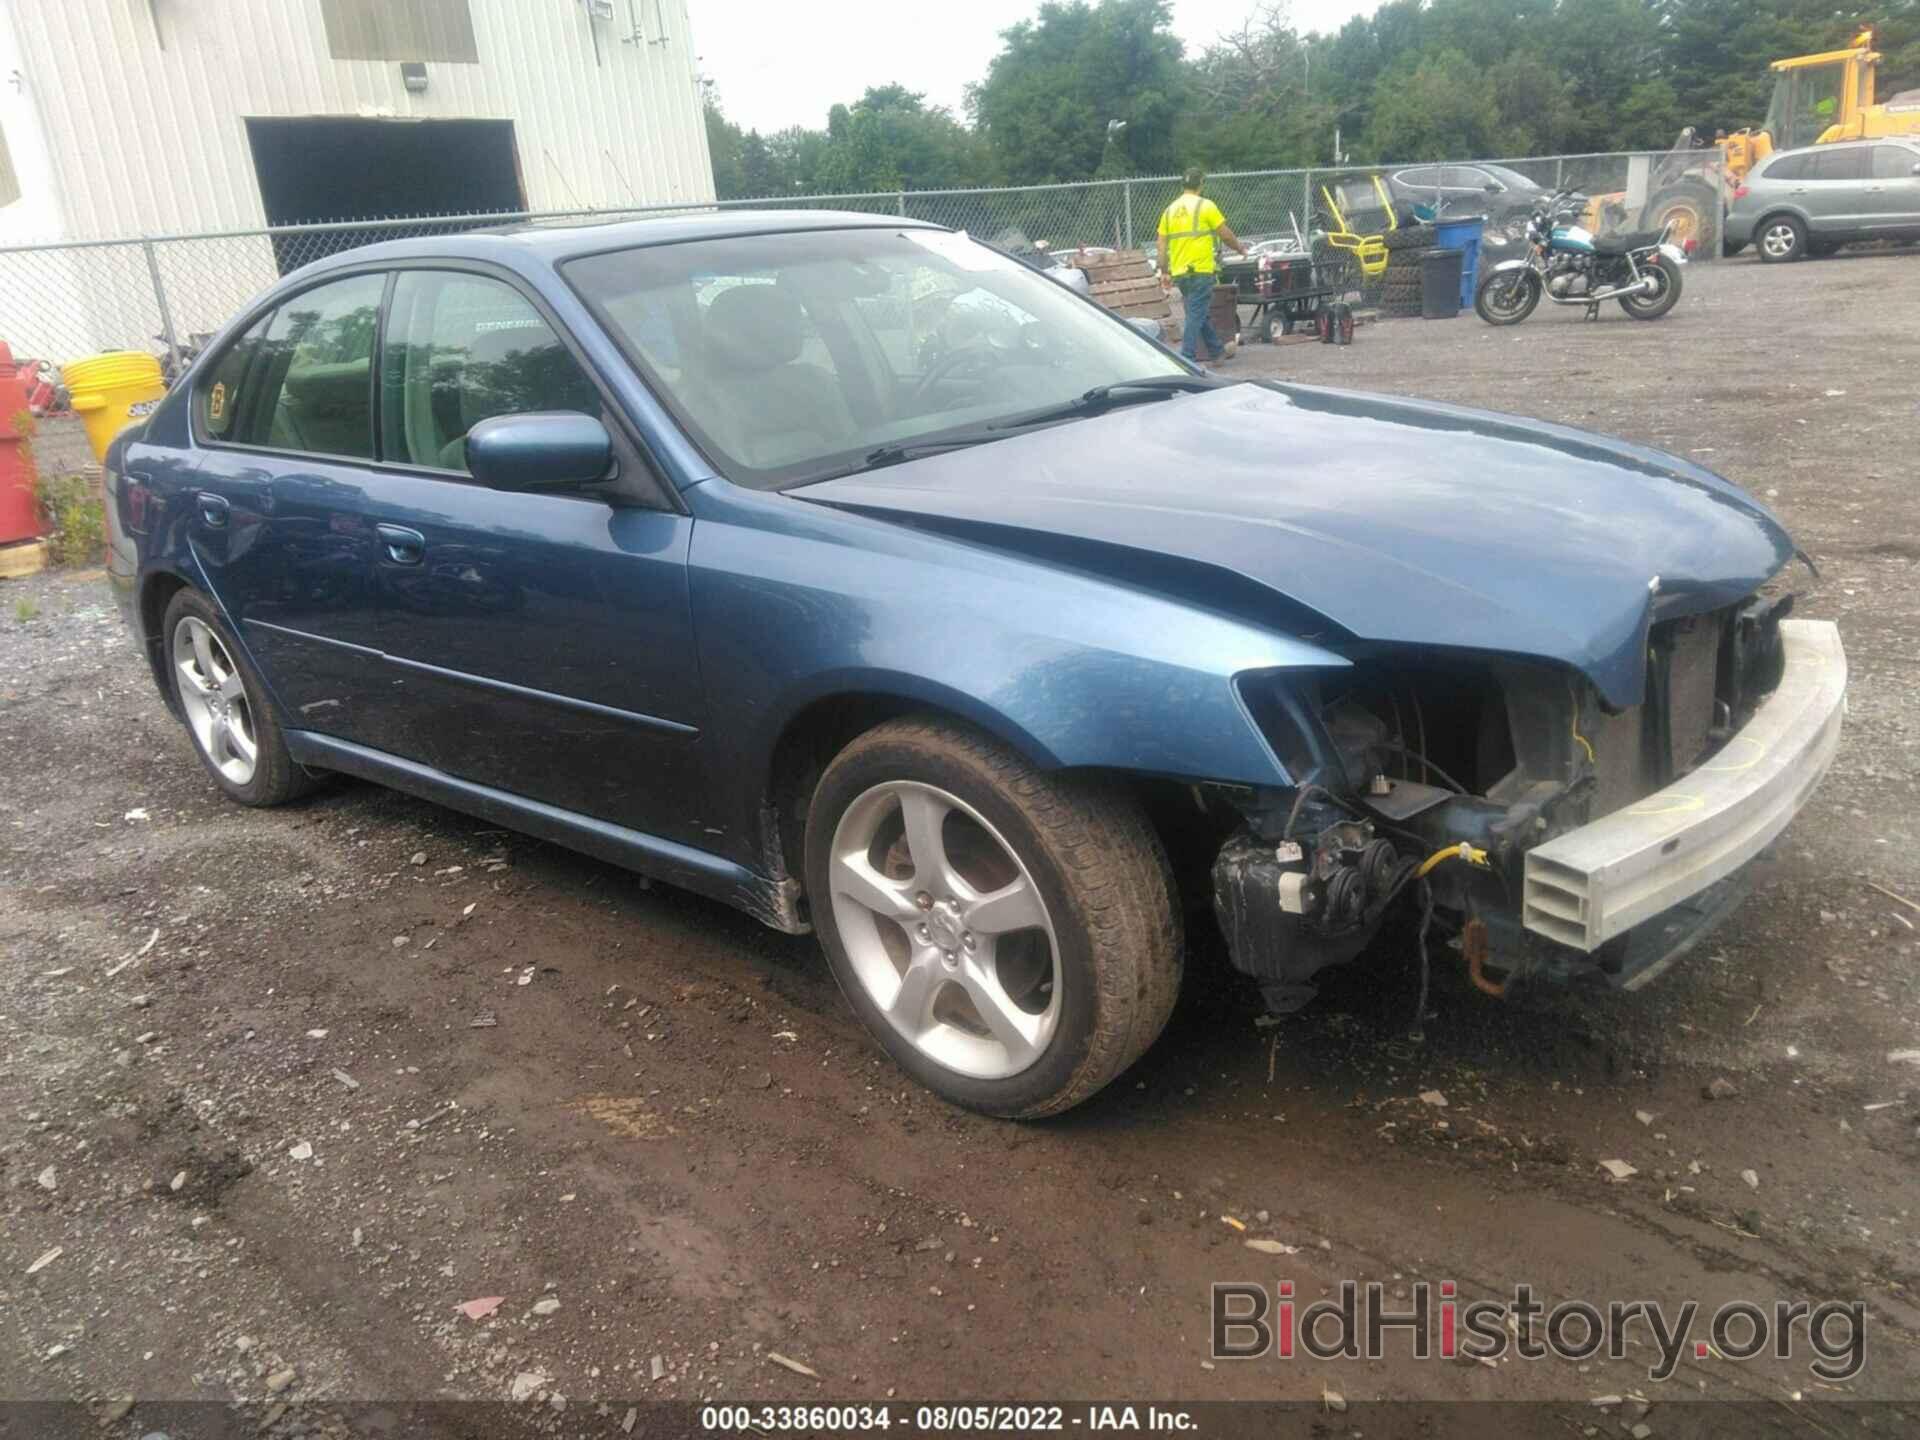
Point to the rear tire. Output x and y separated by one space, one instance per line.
1694 211
1498 303
967 1009
1652 307
1781 239
223 701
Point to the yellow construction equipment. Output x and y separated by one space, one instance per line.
1818 99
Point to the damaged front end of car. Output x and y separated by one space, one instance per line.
1523 826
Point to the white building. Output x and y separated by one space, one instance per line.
129 118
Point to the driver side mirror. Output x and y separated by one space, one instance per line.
1494 187
539 451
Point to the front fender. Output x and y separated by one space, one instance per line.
794 603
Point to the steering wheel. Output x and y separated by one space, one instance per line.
952 365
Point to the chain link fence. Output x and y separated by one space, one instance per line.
59 302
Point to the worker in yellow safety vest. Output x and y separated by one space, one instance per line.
1187 228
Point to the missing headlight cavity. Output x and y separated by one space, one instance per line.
1435 777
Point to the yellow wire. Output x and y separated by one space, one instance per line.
1462 851
1591 760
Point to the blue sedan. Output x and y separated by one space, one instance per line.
855 574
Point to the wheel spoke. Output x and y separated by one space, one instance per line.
913 1000
239 741
220 743
1016 1030
924 815
233 688
854 877
203 651
1012 907
190 672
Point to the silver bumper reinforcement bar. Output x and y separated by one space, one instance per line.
1591 884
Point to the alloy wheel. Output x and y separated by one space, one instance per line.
1779 240
218 709
945 929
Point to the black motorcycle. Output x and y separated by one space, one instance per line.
1570 265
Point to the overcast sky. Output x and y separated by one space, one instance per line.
779 63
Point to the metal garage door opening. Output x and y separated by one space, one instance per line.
322 169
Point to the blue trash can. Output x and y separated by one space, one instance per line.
1462 233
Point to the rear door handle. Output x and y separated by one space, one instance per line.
213 509
404 546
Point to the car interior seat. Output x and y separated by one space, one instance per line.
762 402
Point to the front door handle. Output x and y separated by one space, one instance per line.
213 509
404 546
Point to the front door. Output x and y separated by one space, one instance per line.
539 643
1893 190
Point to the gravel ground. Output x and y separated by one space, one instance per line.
283 1089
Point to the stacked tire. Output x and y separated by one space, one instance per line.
1400 282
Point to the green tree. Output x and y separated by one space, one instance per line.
1435 108
1058 79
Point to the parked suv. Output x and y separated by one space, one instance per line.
1813 201
856 575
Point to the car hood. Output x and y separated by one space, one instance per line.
1398 521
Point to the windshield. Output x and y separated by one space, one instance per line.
790 357
1806 101
1512 179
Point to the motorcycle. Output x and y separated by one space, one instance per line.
1571 266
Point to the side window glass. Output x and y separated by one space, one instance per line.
461 349
1792 167
1845 164
224 393
1893 162
311 386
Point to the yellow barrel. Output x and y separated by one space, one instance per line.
113 391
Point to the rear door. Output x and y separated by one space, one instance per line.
278 510
542 641
1893 190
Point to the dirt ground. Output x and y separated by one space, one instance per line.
282 1089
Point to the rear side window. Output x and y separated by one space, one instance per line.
303 379
224 392
461 349
1894 162
1788 167
1849 163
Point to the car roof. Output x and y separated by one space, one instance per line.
1911 142
554 244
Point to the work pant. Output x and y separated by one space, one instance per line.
1197 287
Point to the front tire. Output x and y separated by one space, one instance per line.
1781 239
223 701
1509 298
1009 937
1652 307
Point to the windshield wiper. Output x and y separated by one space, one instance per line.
909 449
1121 392
1099 398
